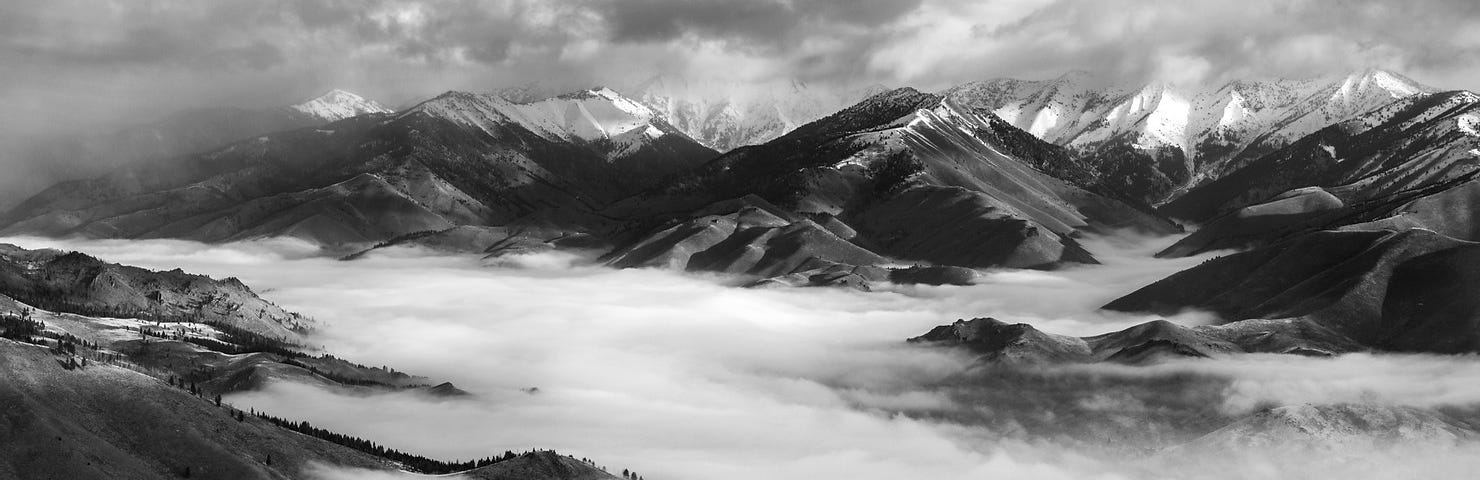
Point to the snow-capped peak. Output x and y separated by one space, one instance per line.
1397 85
598 115
338 105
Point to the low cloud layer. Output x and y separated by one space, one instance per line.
685 376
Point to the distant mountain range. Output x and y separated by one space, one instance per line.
726 116
1155 141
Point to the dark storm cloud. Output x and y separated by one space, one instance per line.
663 20
773 23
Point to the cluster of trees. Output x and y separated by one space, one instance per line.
893 173
412 462
189 386
20 327
60 300
344 380
631 475
247 341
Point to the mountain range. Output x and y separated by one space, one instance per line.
1155 141
597 169
903 186
1357 237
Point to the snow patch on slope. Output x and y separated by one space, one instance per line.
1467 123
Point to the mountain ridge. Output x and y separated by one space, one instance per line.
1158 139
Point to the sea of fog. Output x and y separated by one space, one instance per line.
687 376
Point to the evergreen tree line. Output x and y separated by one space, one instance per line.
60 300
412 462
20 327
247 341
335 377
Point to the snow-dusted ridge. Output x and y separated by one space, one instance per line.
1075 111
1212 128
598 116
337 104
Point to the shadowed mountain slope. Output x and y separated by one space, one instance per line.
1383 159
904 175
458 159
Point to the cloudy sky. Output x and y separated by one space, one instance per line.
83 63
94 66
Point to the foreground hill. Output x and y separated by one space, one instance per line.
121 396
1154 141
104 421
216 334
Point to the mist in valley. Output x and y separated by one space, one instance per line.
678 375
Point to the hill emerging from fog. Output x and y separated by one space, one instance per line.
137 393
